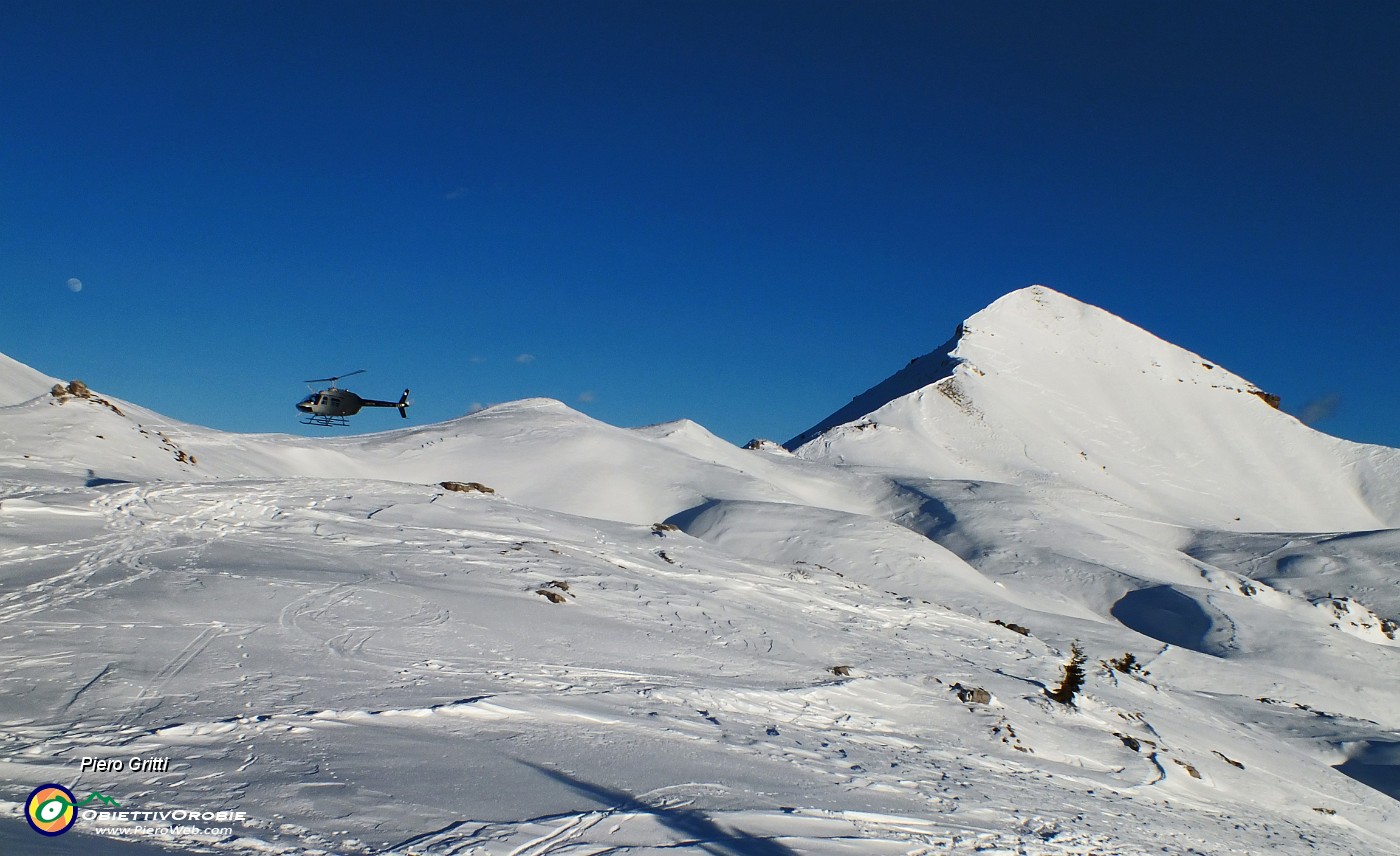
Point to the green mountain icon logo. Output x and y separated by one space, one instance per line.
97 796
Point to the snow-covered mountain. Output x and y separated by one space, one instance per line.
1039 388
650 641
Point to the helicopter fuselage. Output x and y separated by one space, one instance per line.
332 402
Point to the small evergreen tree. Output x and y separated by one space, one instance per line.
1072 680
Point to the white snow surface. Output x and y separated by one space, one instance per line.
19 382
319 634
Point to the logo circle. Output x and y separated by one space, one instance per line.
50 810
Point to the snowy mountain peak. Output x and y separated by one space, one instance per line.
1039 331
1036 300
525 404
1037 336
1038 318
1037 297
1041 388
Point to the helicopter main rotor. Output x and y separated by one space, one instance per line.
332 380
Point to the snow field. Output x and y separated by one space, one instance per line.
339 661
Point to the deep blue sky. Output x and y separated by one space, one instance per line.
743 213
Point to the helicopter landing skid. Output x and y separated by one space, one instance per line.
326 421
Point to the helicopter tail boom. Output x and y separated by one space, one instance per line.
402 404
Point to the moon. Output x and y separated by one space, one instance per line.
75 284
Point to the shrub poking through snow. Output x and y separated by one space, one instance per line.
1127 664
74 389
840 671
77 389
1231 761
554 590
1073 678
662 528
1007 734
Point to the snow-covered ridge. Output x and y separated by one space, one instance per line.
537 451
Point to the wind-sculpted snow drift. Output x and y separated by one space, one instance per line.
652 641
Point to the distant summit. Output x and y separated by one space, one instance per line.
1035 320
1041 388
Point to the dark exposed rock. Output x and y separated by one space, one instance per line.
1014 628
466 487
1267 397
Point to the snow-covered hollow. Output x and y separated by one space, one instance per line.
1039 388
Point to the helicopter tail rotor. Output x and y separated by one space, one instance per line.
403 404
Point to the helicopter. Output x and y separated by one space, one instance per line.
330 407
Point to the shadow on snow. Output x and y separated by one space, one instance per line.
692 823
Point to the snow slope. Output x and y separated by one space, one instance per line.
1040 388
649 641
19 382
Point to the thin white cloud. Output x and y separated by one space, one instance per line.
457 193
476 359
476 407
587 395
525 359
